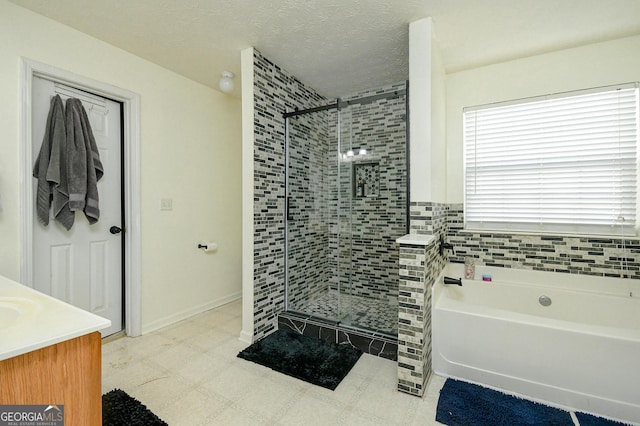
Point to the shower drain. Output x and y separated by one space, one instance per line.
544 300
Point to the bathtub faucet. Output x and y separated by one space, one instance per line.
456 281
445 246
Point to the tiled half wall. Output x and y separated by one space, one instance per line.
419 267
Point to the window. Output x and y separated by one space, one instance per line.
566 163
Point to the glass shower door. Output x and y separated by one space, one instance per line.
346 205
310 224
373 205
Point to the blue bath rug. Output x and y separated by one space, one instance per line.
590 420
466 404
303 357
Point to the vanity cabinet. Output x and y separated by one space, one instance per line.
66 373
50 354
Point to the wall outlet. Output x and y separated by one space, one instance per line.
166 204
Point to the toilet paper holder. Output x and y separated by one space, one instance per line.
208 247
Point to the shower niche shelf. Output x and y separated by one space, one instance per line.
366 179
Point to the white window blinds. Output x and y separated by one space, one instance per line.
566 163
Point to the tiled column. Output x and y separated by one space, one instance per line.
414 317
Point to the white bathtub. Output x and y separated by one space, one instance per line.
582 352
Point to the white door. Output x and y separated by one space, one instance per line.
83 266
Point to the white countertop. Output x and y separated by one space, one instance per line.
416 239
30 320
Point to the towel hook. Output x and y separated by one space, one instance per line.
105 109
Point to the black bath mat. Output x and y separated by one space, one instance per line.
307 358
120 409
462 404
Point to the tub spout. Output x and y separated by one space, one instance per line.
456 281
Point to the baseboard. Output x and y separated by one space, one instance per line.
188 313
246 337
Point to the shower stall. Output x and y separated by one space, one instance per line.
346 188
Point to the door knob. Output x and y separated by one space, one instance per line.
115 230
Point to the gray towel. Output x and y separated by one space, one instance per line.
84 168
50 169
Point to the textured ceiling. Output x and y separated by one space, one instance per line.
338 46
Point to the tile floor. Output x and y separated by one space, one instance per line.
188 374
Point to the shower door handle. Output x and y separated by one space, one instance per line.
287 206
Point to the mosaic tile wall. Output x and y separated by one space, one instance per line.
274 91
575 255
419 267
428 218
412 319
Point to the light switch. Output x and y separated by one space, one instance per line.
166 204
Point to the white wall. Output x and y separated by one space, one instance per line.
190 152
593 65
438 127
427 120
420 109
246 335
